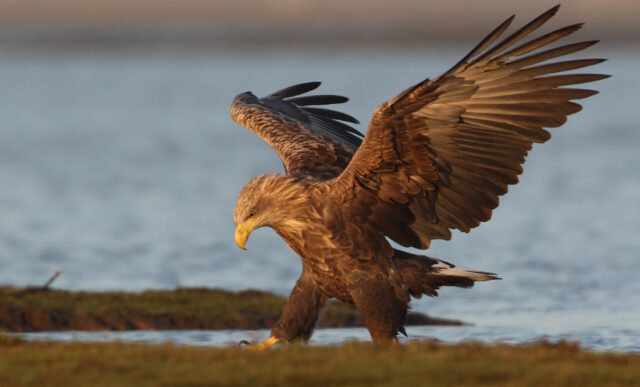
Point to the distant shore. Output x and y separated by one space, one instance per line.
34 309
260 23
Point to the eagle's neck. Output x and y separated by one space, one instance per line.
292 210
290 202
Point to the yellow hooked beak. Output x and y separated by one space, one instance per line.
243 230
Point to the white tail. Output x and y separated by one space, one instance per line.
445 268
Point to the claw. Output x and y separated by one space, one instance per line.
268 343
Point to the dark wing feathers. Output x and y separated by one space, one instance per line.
310 141
333 115
294 90
318 100
443 151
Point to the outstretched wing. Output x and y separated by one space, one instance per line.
310 141
438 156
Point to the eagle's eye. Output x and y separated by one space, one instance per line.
252 213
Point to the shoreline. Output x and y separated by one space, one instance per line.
36 309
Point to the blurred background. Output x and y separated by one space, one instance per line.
119 162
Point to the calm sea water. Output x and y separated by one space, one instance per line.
121 167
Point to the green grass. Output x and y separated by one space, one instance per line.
192 302
425 363
180 308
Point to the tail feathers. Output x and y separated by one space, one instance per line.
447 269
424 275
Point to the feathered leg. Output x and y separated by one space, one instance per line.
299 315
382 312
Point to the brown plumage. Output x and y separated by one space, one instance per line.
435 158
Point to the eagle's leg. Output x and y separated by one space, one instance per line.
382 312
300 312
299 315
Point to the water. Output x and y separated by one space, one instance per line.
121 167
590 337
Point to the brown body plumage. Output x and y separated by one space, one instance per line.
435 158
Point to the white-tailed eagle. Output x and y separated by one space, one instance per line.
436 157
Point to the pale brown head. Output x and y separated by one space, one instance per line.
267 200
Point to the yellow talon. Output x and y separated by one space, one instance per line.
268 343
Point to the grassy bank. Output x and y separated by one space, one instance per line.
183 308
426 363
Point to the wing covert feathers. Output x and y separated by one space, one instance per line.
311 142
444 150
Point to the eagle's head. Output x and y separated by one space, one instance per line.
267 200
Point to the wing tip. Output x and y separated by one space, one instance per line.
548 14
570 28
553 10
315 84
294 90
597 77
508 21
320 99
